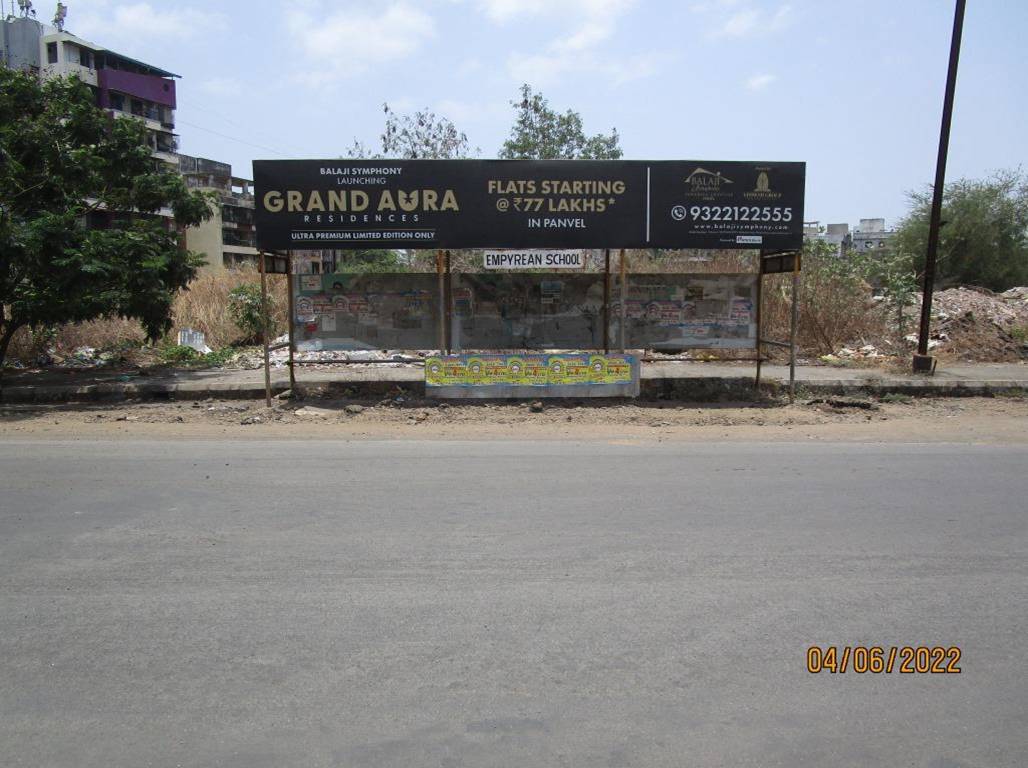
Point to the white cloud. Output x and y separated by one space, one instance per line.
761 81
740 19
741 23
107 23
589 25
340 42
503 11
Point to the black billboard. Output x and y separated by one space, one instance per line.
346 204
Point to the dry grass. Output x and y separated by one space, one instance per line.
833 313
203 306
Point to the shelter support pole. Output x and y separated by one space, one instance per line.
290 283
606 302
264 332
794 323
760 325
442 301
448 296
624 298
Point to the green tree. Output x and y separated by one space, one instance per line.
540 133
61 160
984 240
370 260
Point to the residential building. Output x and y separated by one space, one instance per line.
228 238
124 86
837 235
871 235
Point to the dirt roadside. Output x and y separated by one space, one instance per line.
987 420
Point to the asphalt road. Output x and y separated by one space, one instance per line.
507 604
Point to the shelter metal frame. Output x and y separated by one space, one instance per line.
771 262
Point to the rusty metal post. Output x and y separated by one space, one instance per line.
264 332
290 285
624 298
606 302
442 301
793 326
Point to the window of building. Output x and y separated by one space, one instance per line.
137 107
51 53
86 58
118 101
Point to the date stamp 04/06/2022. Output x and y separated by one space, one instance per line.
876 659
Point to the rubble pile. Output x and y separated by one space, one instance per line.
1016 296
976 324
253 357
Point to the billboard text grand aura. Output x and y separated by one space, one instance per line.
313 204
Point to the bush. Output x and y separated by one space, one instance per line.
245 307
204 306
178 353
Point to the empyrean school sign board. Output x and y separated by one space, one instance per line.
342 204
533 259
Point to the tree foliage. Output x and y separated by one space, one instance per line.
540 133
62 159
421 136
370 260
984 240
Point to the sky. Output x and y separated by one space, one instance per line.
854 88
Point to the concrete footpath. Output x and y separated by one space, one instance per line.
673 380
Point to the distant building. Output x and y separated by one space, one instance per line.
837 235
122 85
228 238
870 235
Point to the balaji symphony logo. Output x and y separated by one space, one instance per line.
762 188
708 184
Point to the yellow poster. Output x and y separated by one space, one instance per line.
528 370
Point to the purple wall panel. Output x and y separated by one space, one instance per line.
159 90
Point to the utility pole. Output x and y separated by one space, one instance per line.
923 362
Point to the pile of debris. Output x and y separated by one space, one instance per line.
847 355
253 357
977 324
